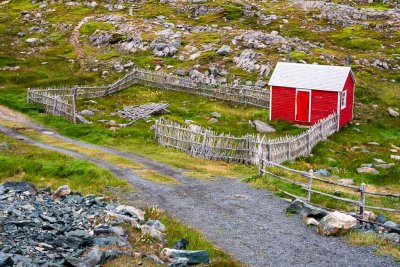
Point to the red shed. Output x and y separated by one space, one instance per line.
305 93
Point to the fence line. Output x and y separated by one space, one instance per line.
239 94
249 149
308 188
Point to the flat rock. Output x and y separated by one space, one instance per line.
366 169
193 256
263 127
305 209
392 112
21 187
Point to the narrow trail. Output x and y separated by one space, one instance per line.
250 224
74 39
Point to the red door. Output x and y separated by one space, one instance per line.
302 106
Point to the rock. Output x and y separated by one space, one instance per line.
224 50
323 172
312 222
111 123
263 127
369 215
6 260
193 256
180 72
118 67
394 237
86 112
131 211
306 210
92 259
336 223
367 170
62 191
104 74
156 224
385 165
392 112
380 161
396 157
21 187
154 233
390 224
216 114
33 41
179 262
180 244
213 120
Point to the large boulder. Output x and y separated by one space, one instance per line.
263 127
306 210
336 223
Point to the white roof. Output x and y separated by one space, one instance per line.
309 76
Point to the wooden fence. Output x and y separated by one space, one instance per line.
308 187
248 149
239 94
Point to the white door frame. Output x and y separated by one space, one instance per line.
309 102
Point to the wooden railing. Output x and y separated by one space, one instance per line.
308 187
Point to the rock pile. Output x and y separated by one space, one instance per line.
64 228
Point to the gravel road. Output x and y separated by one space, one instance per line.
250 224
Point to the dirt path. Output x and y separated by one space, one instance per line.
74 39
250 224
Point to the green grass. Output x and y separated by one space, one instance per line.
22 162
358 38
232 12
90 27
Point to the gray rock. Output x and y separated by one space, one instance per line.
393 112
193 256
86 112
394 237
323 172
216 114
156 224
181 244
6 260
263 127
180 72
390 224
62 191
381 218
224 50
336 223
367 169
179 262
305 209
33 41
213 120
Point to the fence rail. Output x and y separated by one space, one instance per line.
250 149
361 190
239 94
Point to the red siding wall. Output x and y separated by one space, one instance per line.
346 114
323 104
283 103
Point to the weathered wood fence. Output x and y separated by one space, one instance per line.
308 187
239 94
247 149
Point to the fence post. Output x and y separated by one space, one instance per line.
203 146
55 105
73 109
308 142
288 150
310 177
362 202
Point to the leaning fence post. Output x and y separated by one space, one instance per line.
362 202
310 177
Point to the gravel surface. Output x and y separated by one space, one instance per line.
250 224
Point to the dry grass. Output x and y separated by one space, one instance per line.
155 177
357 238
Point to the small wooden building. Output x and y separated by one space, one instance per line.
305 93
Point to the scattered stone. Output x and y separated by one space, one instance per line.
21 187
305 209
396 157
336 223
381 218
263 127
394 237
33 41
213 120
393 112
369 215
156 224
224 50
180 244
154 233
380 161
62 191
216 114
385 165
323 172
367 170
390 224
86 112
193 256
